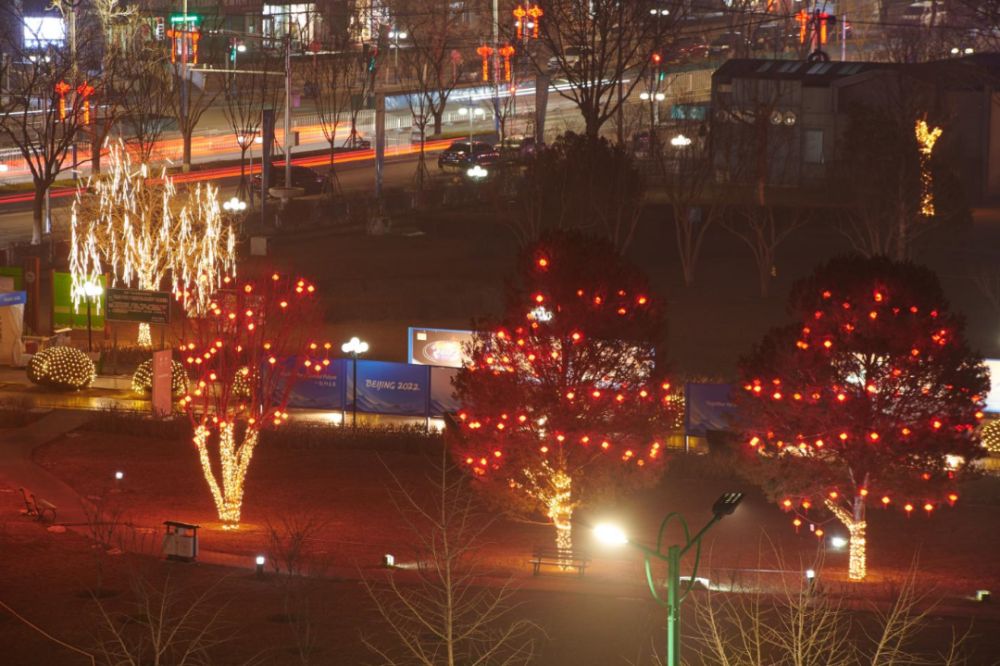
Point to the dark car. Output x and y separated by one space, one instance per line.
519 148
728 43
687 48
774 37
458 156
308 179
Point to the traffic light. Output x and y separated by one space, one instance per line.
657 58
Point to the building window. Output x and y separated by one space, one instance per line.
298 20
814 147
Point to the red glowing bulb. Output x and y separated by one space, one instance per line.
833 494
886 500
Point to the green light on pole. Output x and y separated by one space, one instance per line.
610 534
180 18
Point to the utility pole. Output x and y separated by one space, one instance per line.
184 76
288 108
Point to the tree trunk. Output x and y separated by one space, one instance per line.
187 132
233 463
438 117
38 213
857 544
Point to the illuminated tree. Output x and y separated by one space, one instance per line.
258 328
872 391
564 399
142 230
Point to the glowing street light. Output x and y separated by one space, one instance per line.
477 173
612 535
355 347
680 141
235 206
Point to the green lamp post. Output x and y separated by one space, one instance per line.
724 506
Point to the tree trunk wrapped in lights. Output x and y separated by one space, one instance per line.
872 389
247 351
564 401
143 231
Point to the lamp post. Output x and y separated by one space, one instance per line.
90 290
395 36
472 111
724 506
355 347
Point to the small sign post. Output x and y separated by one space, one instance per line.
161 383
137 306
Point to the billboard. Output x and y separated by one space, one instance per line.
321 391
388 388
707 407
439 346
442 399
993 397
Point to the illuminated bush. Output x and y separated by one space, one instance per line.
142 380
990 436
61 368
243 384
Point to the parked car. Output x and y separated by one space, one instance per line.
459 157
727 43
519 148
308 179
687 48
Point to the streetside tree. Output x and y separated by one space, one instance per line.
246 352
872 391
565 397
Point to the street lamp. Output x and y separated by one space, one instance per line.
610 534
90 290
395 36
477 173
235 206
472 112
355 347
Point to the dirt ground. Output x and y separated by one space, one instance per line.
603 620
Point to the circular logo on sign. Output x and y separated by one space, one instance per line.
29 277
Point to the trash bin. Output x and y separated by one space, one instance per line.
181 541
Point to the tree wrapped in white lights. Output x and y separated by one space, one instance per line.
141 230
249 347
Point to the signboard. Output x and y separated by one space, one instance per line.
162 361
66 315
15 272
136 305
388 388
442 400
439 346
993 397
707 407
13 298
322 391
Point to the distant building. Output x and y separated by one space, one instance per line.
793 113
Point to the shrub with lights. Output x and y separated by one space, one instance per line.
990 436
142 380
63 368
871 394
266 322
564 401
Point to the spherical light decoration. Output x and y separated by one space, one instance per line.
990 436
142 380
66 368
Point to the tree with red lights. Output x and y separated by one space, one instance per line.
871 392
564 400
246 352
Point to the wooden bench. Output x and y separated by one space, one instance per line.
547 556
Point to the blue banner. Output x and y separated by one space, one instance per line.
707 407
399 389
13 298
324 390
443 399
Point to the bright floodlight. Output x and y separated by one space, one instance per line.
838 542
610 534
680 141
725 505
260 560
810 574
119 475
355 346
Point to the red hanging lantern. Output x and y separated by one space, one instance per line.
61 89
485 51
506 51
535 13
85 91
519 14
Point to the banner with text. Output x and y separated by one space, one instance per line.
388 388
443 399
707 407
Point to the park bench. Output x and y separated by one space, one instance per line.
30 509
547 556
